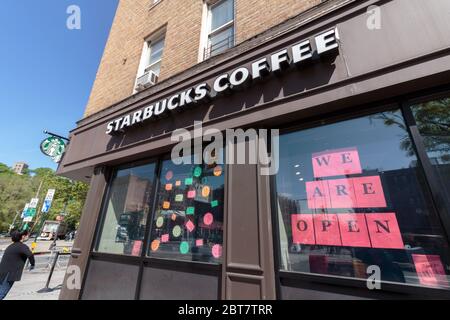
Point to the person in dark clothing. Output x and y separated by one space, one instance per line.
13 261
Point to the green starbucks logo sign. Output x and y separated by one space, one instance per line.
53 147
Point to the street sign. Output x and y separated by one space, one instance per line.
31 212
24 211
46 206
28 219
50 195
33 203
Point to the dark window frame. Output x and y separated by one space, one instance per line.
403 103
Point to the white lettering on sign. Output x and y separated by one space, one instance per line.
294 55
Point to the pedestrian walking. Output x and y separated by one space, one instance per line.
13 262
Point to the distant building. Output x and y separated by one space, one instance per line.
20 167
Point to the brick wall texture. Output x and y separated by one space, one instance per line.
137 20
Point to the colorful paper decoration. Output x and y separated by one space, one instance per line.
176 231
169 187
206 191
336 163
217 171
199 242
197 172
159 222
178 183
155 245
190 226
173 217
179 198
184 247
190 210
216 251
137 246
165 238
214 203
188 181
430 270
208 219
191 194
169 175
166 205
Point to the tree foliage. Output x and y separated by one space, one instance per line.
16 190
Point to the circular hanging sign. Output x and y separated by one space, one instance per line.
176 231
184 247
53 147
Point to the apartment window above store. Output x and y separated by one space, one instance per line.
219 27
150 66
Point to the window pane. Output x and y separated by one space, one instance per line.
221 13
433 122
189 214
350 196
221 41
156 68
127 209
156 50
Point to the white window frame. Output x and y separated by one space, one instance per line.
206 32
146 53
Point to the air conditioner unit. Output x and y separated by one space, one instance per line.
148 79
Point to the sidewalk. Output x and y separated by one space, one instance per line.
31 282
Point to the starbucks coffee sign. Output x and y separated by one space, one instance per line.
53 147
295 55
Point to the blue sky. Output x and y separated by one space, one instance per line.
47 71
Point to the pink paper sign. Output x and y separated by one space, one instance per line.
318 195
190 226
336 163
165 238
369 192
353 229
327 229
430 270
199 242
216 251
208 219
137 246
302 229
384 231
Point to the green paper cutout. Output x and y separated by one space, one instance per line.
159 222
176 231
214 203
179 198
197 172
188 181
184 247
190 210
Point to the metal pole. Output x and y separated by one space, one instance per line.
14 222
55 135
47 288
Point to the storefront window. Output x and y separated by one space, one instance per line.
433 122
188 221
350 196
128 205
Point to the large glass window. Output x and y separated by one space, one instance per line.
433 122
188 221
350 195
127 208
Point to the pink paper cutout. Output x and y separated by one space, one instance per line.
369 192
216 251
165 238
199 242
190 226
302 229
327 230
208 219
430 270
384 231
336 163
191 194
318 195
342 194
353 229
137 246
